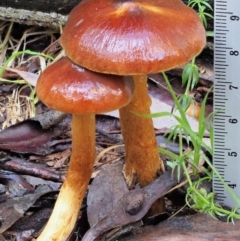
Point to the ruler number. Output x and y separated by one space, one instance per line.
234 53
234 18
231 87
232 185
233 121
233 153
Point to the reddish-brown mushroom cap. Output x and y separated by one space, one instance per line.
69 88
132 37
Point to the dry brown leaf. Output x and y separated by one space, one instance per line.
29 77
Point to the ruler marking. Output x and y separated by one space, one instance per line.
220 112
223 30
223 102
220 197
225 149
222 26
225 82
221 47
218 189
225 12
222 106
218 183
223 116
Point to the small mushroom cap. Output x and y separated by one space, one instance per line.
69 88
132 37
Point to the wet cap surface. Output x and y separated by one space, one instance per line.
69 88
132 37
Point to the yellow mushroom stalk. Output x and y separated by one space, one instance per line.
66 209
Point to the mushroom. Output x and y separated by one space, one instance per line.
69 88
134 37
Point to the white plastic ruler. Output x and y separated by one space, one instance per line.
226 156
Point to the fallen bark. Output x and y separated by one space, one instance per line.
42 13
198 227
57 6
23 16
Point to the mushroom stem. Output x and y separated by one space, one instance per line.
67 206
142 157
